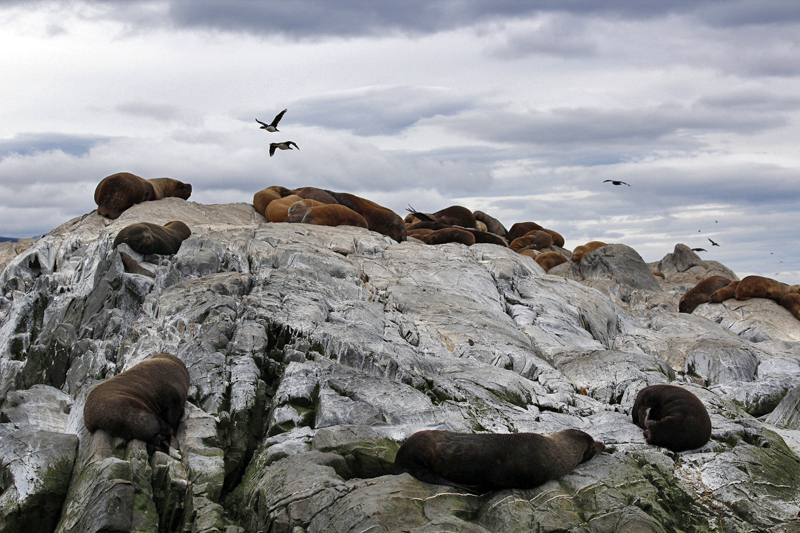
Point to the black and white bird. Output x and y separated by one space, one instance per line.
285 145
617 182
274 125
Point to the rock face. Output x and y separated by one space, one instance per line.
314 352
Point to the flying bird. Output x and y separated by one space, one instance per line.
699 250
617 182
285 145
713 243
274 125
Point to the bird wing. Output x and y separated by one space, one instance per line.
278 118
606 181
291 143
272 149
262 123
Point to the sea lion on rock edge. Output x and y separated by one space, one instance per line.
701 293
148 238
534 240
760 287
145 402
671 417
451 234
333 215
278 210
791 301
380 219
548 260
492 224
521 228
313 193
725 293
298 210
262 198
589 247
485 462
170 188
117 192
558 239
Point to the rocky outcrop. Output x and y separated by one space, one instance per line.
314 352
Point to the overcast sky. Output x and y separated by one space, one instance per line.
517 108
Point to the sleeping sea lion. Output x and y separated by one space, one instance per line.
725 293
492 224
484 462
148 238
451 234
589 247
380 219
701 293
333 215
521 228
278 210
760 287
671 417
535 240
548 260
117 192
170 188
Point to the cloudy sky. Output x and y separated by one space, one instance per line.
519 108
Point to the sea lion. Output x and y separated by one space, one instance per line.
548 260
589 247
145 402
426 224
521 228
313 193
451 234
148 238
131 266
333 215
278 210
117 192
488 237
701 293
298 210
671 417
262 198
535 240
760 287
455 215
419 233
791 301
658 274
170 188
485 462
725 293
492 224
380 219
558 239
481 226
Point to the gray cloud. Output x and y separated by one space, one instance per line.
30 143
159 112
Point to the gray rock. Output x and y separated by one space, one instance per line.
787 413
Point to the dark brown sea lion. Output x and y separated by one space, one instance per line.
451 234
535 240
548 260
701 293
486 462
148 238
313 193
278 210
671 417
492 224
455 215
521 228
791 301
117 192
589 247
426 224
333 215
725 293
170 188
760 287
262 198
419 233
145 402
558 239
380 219
488 237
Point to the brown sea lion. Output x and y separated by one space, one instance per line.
481 226
418 233
548 260
170 188
725 293
117 192
521 228
262 198
278 210
485 462
380 219
298 210
452 234
701 293
760 287
426 224
791 301
145 402
535 240
488 237
313 193
492 224
558 239
455 215
333 215
589 247
148 238
671 417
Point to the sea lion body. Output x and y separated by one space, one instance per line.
148 238
589 247
701 293
492 224
791 301
379 218
298 210
451 234
725 293
534 240
170 188
760 287
558 239
455 215
521 228
278 210
671 417
262 199
333 215
313 193
145 402
548 260
488 237
117 192
486 462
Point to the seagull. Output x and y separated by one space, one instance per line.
274 126
285 145
617 182
699 250
713 243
